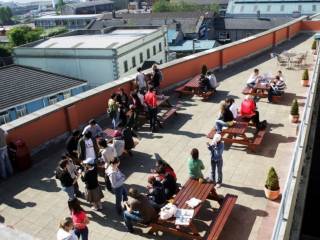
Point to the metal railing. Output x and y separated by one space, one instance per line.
283 216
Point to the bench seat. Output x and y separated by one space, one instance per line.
183 91
258 138
172 111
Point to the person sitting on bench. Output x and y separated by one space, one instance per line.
138 210
212 80
254 78
156 195
248 108
204 83
225 118
277 87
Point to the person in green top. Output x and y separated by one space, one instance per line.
195 165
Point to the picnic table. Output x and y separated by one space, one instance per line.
237 134
193 87
202 191
260 90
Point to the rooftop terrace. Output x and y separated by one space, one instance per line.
32 201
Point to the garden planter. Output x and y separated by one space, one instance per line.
272 195
294 118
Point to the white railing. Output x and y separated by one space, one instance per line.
284 217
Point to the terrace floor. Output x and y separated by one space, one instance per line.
32 201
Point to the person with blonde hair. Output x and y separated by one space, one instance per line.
65 231
225 118
216 149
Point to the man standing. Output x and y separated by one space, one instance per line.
5 164
94 128
216 149
87 147
151 100
141 80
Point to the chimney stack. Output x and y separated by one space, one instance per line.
113 14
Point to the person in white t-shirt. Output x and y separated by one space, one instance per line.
141 80
65 230
212 80
87 147
254 78
232 107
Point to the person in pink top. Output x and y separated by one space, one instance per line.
79 218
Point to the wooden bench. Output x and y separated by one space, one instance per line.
277 99
257 140
251 91
183 90
206 95
223 214
172 111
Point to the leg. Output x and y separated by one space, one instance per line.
85 233
124 194
70 192
219 168
255 119
118 194
129 218
270 93
219 125
213 170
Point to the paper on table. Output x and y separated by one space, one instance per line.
183 216
193 202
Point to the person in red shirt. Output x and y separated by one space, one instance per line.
248 109
151 100
79 218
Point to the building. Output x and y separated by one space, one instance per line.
232 29
24 90
91 7
271 8
96 56
222 3
69 21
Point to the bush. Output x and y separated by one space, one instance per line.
23 34
204 69
272 182
305 75
294 108
314 45
54 31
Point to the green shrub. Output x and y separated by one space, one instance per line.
272 182
294 108
314 45
305 75
204 69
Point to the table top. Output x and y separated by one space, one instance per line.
238 128
289 54
194 82
262 86
162 99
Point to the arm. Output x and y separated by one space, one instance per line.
201 165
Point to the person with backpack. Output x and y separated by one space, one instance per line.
216 149
67 182
117 179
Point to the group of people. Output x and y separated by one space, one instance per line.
277 84
208 82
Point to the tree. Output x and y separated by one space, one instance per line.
23 34
5 15
4 51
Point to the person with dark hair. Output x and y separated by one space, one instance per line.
195 165
67 182
225 118
151 100
113 110
204 83
168 181
156 195
163 167
87 147
117 179
79 218
94 128
254 78
65 231
216 149
136 108
141 80
123 98
156 77
90 178
138 210
277 87
73 170
72 144
107 155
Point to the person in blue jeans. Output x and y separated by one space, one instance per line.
138 210
5 163
117 179
216 148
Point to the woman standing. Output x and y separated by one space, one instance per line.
216 149
65 230
80 219
93 190
67 182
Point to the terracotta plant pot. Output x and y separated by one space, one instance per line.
305 83
272 195
294 118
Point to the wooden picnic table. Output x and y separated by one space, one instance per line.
191 189
260 90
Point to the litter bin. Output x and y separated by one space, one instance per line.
19 155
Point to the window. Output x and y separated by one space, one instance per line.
282 8
141 57
160 47
148 53
21 111
299 8
4 118
154 50
248 34
232 9
133 62
314 8
242 8
125 66
53 100
66 94
268 8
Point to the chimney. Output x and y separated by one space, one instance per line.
113 14
258 14
178 27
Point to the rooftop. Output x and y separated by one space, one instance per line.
81 16
20 84
89 4
112 40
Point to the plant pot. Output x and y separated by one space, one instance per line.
272 195
294 118
314 51
305 83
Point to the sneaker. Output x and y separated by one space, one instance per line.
209 180
218 185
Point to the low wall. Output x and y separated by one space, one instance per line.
49 123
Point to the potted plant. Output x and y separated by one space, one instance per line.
272 188
294 112
204 69
314 47
305 78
